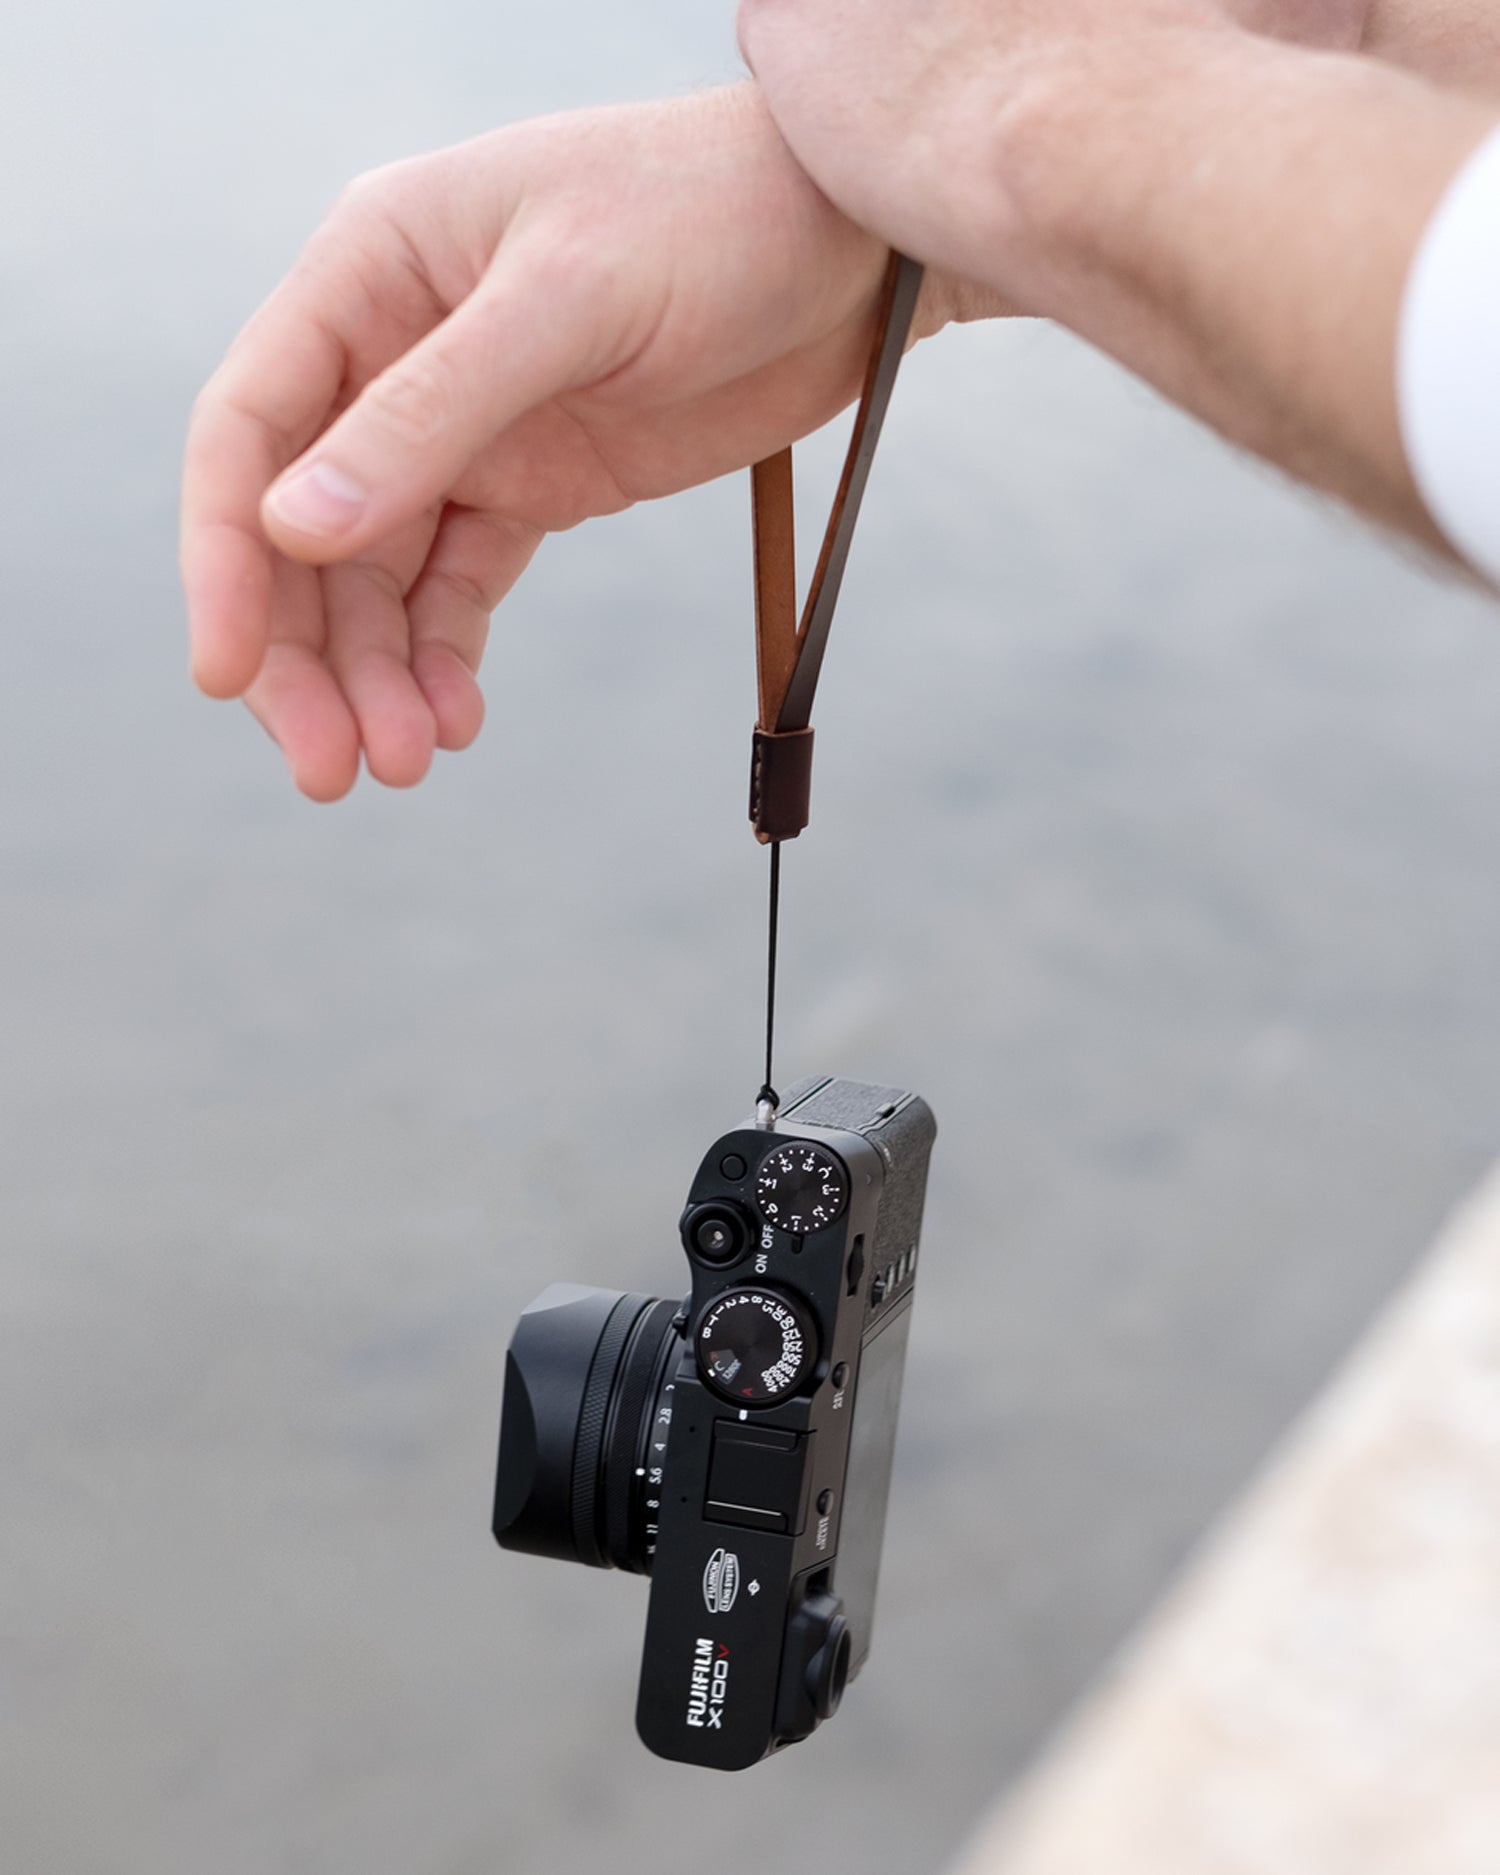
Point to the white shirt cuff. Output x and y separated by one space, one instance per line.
1448 362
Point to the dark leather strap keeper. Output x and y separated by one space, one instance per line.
780 783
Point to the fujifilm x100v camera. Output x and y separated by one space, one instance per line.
736 1447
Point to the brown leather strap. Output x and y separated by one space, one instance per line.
775 581
789 657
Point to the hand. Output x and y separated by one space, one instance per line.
900 110
478 347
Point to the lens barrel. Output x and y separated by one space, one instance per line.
584 1381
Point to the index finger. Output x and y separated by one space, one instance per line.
275 390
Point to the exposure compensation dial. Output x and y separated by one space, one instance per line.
801 1187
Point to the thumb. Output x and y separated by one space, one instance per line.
411 433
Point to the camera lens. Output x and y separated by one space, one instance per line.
584 1427
716 1233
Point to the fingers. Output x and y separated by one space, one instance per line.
268 397
409 436
476 558
295 696
361 667
367 647
335 681
297 700
226 578
347 689
369 656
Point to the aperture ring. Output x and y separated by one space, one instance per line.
627 1459
593 1415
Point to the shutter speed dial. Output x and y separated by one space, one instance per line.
755 1347
801 1187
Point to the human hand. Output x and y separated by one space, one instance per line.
910 114
479 347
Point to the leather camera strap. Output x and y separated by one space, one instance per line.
789 656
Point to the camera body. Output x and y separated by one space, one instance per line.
737 1447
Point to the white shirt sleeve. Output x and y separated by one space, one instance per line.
1448 362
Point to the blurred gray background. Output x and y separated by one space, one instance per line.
1155 842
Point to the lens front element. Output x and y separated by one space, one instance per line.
756 1347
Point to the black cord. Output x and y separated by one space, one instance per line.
768 1092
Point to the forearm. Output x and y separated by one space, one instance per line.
1234 220
1454 42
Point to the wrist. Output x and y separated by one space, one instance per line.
1085 144
1007 169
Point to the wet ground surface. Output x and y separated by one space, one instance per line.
1155 842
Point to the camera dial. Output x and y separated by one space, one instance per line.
756 1347
801 1187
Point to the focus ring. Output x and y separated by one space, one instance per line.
592 1416
628 1436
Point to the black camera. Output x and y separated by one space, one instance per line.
736 1447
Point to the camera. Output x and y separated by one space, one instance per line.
736 1447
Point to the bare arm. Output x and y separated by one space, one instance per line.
1231 216
1456 43
1249 256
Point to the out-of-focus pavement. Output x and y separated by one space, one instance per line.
1322 1693
1155 842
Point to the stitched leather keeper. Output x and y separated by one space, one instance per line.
780 783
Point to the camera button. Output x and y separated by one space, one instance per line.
840 1377
733 1166
825 1503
